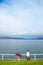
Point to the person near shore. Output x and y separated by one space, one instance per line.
27 55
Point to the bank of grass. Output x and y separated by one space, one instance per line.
21 62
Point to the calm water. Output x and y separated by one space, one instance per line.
14 46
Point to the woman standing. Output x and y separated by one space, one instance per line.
27 55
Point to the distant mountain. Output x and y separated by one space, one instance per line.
10 38
25 37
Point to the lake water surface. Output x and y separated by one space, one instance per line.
20 46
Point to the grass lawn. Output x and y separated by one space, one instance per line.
21 62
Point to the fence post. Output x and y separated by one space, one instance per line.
2 56
34 56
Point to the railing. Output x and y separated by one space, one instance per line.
34 55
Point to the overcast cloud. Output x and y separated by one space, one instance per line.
21 16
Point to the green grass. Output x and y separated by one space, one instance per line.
21 62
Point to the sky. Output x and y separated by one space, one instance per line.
21 17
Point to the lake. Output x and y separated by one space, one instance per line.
20 46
